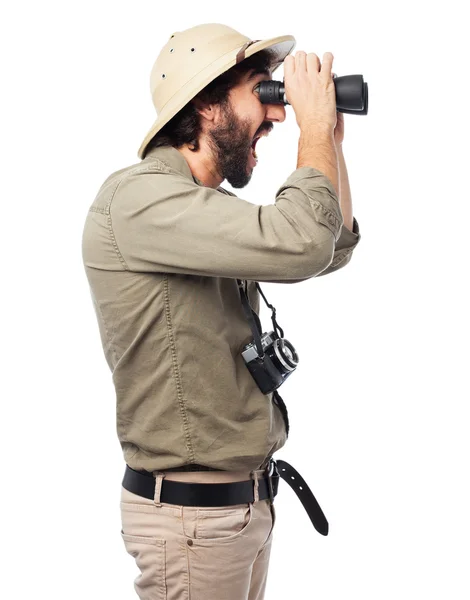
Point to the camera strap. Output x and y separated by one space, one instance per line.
256 329
287 471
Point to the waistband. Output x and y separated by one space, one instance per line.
157 486
205 476
194 473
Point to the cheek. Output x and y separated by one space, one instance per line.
261 116
259 112
257 118
252 109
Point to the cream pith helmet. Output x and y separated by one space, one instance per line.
192 58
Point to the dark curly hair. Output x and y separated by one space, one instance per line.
185 127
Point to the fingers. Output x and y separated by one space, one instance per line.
327 64
309 62
300 61
313 63
289 65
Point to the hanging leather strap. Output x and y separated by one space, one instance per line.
304 494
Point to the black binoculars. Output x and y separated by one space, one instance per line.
352 95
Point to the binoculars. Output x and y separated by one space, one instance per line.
352 95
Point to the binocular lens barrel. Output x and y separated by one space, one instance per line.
352 94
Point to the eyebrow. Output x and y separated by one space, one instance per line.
256 72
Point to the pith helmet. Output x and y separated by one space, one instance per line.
192 58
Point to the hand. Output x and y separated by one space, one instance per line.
310 89
339 129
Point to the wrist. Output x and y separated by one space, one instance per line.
317 129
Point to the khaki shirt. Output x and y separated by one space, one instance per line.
162 253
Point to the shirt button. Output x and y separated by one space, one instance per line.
190 542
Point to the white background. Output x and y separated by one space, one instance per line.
378 404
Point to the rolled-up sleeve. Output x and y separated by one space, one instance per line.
164 222
345 245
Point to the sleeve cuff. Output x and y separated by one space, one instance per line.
348 238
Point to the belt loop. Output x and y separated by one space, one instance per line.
158 487
270 489
256 487
271 469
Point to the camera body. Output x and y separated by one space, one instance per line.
278 361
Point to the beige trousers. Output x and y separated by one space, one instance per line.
198 553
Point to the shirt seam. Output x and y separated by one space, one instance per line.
176 371
110 225
107 210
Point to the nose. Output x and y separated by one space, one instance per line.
275 112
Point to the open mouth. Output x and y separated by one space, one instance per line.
264 133
253 146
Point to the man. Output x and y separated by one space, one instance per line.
163 248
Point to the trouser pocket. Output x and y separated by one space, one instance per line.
150 556
223 524
223 545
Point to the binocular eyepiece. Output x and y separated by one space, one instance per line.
352 94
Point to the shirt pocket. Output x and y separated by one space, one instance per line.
150 556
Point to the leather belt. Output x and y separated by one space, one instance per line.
305 495
225 494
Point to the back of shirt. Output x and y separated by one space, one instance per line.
162 253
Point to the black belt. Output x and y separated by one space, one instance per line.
225 494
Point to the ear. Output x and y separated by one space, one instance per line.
210 112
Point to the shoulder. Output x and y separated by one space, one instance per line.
224 191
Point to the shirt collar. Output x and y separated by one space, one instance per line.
174 159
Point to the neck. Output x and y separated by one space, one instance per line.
202 164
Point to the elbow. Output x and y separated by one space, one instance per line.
310 263
319 257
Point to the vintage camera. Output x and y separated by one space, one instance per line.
278 361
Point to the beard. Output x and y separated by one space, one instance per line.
230 143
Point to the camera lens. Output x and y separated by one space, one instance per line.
286 354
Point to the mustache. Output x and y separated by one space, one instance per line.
266 127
